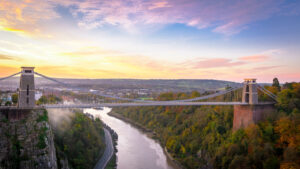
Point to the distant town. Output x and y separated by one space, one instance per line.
127 88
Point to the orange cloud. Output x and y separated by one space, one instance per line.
5 57
22 17
163 4
8 70
255 58
78 72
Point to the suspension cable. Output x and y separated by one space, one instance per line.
208 96
3 78
267 91
52 79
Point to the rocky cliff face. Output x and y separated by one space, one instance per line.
27 143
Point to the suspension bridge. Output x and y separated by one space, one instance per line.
27 92
247 111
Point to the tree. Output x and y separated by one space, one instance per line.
287 131
7 103
276 84
14 98
195 94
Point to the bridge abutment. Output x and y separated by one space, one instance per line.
253 111
15 114
244 115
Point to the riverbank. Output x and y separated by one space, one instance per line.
112 164
175 164
108 156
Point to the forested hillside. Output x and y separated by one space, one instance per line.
80 140
202 136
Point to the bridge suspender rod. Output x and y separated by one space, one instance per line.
3 78
274 98
267 91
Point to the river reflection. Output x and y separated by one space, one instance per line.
135 149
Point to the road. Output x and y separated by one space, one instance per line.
108 153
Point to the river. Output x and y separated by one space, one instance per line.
135 149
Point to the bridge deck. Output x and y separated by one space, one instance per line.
146 104
82 106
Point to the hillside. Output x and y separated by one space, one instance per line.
202 136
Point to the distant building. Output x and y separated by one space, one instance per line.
38 95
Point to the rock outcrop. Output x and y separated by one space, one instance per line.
27 143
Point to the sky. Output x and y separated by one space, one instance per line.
152 39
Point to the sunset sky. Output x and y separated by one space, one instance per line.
161 39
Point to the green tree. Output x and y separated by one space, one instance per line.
14 98
195 94
7 103
276 84
80 139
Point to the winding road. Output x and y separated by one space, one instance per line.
108 153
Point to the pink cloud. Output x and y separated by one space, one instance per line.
214 63
254 58
156 5
265 68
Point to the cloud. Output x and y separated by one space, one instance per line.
218 15
265 68
221 16
22 16
6 57
60 119
254 58
78 72
156 5
8 70
213 63
90 51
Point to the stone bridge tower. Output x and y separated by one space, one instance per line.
27 88
250 92
253 111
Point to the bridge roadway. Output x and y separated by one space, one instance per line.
166 103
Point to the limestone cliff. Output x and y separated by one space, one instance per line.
27 142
